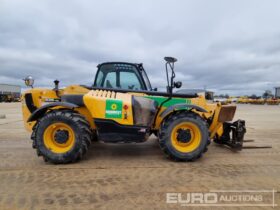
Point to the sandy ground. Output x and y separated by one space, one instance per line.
134 175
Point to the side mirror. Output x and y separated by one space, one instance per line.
29 81
154 89
177 84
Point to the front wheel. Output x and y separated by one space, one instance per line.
184 136
62 136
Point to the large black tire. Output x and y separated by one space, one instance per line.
81 130
170 123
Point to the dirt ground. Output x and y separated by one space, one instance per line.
134 176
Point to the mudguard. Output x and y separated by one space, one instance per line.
177 107
43 109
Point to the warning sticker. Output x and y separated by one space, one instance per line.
113 109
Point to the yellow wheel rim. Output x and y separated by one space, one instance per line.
56 145
193 140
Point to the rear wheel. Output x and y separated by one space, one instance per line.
62 136
184 136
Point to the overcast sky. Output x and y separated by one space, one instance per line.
228 46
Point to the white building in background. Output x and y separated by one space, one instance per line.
277 92
9 92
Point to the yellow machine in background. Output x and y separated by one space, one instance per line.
243 100
259 101
122 106
273 101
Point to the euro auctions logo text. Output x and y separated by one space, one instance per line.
192 198
223 198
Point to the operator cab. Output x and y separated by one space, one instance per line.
120 75
131 77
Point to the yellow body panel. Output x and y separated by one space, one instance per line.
41 97
215 125
74 89
96 101
86 113
25 114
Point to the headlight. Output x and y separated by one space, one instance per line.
29 81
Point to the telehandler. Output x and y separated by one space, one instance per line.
122 107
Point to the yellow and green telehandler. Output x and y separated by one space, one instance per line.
122 107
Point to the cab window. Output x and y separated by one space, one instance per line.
110 80
99 79
129 80
119 75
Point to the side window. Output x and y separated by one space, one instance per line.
146 79
129 80
110 80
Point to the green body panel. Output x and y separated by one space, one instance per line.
171 102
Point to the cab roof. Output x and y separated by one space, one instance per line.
118 62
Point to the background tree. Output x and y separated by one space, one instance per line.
267 94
